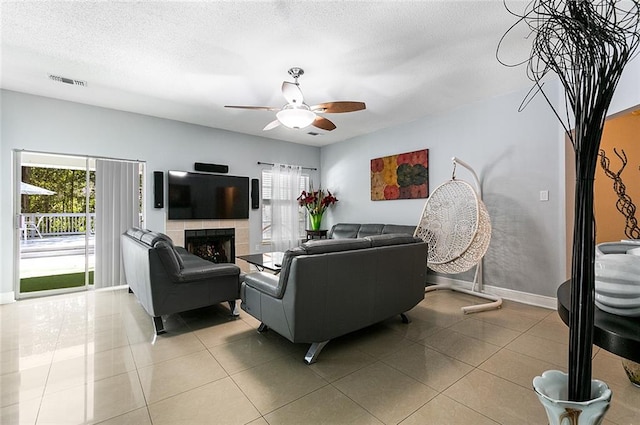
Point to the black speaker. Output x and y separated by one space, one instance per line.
211 168
158 189
255 194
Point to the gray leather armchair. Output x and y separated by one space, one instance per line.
167 279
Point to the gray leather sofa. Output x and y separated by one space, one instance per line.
355 230
330 287
167 279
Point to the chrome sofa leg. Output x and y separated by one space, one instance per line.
263 328
314 352
404 318
158 325
233 305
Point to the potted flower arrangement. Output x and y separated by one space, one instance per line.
316 202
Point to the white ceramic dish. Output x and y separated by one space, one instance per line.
617 283
630 312
618 302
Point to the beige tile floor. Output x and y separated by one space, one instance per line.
93 358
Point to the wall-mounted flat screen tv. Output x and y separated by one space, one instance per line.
207 196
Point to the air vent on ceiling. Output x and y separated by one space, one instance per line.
68 80
313 133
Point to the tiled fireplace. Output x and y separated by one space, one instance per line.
215 245
176 229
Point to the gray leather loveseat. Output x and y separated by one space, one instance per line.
167 279
330 287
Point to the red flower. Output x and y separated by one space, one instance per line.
316 202
329 199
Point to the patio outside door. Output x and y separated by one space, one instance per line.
56 223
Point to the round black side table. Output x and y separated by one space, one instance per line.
316 234
617 334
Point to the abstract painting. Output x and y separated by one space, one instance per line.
401 176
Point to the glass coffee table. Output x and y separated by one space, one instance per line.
265 261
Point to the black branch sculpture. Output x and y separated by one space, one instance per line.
586 44
624 204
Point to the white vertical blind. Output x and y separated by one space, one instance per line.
117 209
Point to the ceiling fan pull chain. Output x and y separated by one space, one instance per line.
453 173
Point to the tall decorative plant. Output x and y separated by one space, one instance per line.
587 44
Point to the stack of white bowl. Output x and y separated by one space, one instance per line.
618 278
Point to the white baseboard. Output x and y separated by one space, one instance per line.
7 297
112 288
507 294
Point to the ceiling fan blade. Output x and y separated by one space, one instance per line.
324 124
257 108
292 93
338 107
271 125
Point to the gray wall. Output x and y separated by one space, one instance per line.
515 154
43 124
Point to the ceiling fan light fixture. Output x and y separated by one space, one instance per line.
296 117
296 114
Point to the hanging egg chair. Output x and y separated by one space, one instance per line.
456 226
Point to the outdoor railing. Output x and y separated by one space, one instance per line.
57 224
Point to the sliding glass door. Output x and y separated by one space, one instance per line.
56 227
56 223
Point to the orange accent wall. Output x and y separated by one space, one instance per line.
621 133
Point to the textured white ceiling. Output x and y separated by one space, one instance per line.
186 60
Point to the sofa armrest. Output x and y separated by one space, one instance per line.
207 271
263 282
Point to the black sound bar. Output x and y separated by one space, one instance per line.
211 168
255 194
158 189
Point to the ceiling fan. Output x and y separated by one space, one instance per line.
297 114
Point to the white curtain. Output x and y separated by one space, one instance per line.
285 223
117 209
